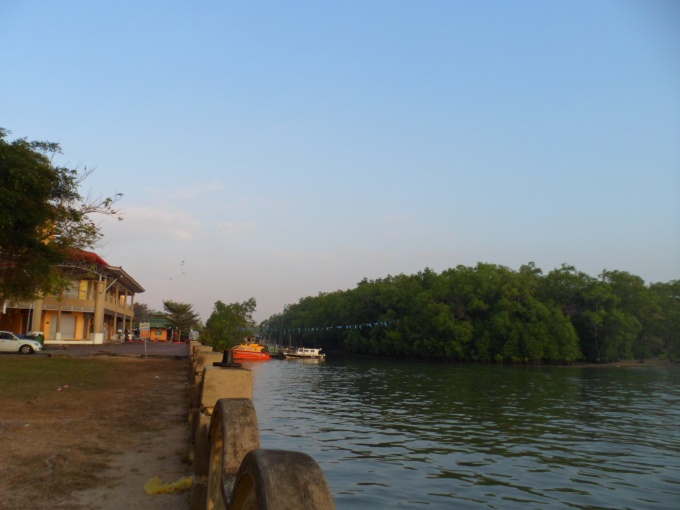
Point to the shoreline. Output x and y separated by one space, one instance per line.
649 362
652 362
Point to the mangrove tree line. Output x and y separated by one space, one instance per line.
490 313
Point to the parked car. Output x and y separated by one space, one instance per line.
9 342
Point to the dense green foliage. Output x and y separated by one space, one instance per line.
43 217
142 312
180 316
228 324
490 313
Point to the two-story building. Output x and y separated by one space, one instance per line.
95 308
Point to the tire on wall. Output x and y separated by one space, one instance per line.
279 479
233 433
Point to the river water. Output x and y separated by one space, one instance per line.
414 435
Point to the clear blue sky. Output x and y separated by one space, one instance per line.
277 149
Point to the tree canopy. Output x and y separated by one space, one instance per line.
43 217
490 313
180 316
142 312
228 324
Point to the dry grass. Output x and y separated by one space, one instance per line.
63 421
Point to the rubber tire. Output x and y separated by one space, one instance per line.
234 432
26 349
280 480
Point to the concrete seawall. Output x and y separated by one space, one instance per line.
231 470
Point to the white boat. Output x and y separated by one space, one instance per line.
305 352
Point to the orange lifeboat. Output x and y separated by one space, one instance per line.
250 351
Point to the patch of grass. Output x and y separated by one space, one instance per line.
56 444
31 377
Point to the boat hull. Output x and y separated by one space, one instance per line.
305 353
306 358
250 356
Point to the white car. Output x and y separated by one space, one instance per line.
9 342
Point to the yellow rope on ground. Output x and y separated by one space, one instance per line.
156 485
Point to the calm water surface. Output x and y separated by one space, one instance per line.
394 434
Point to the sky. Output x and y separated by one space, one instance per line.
279 150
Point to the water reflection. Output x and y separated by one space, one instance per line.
392 434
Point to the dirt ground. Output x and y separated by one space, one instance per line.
93 444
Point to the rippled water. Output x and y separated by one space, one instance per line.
394 434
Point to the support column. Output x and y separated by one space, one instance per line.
123 295
36 321
115 325
116 305
98 326
57 331
128 313
132 313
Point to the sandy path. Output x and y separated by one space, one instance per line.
95 443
